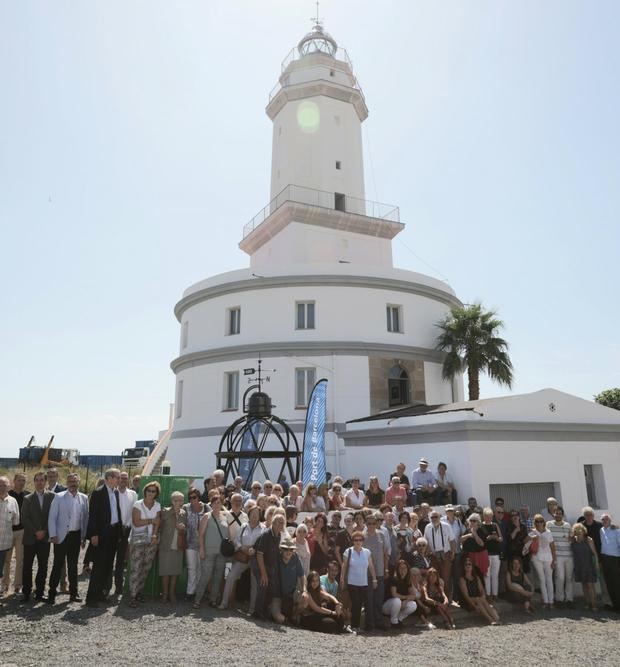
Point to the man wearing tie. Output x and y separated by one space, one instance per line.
104 532
35 512
67 524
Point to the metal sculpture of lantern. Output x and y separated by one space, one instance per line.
256 441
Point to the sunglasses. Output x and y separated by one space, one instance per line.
358 539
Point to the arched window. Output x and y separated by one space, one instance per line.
398 386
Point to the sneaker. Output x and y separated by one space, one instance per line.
222 607
430 626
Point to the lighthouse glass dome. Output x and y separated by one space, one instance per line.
317 41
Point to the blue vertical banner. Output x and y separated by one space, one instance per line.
248 444
314 469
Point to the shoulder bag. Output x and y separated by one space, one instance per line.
241 556
227 548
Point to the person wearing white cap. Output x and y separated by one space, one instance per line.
423 482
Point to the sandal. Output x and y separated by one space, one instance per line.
196 605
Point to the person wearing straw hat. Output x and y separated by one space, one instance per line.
284 607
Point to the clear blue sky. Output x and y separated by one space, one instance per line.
135 146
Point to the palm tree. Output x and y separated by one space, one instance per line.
469 338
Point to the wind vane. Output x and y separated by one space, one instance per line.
260 378
315 19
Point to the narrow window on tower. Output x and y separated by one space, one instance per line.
304 315
339 201
338 164
231 390
233 321
179 400
305 379
332 72
394 318
184 335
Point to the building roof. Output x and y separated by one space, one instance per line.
416 410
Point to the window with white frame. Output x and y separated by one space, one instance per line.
179 400
394 318
305 379
184 335
231 390
304 315
233 321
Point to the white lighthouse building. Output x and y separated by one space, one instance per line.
321 297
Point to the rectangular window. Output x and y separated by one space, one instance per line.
233 326
305 379
595 486
179 399
339 201
304 318
394 318
338 164
231 390
184 335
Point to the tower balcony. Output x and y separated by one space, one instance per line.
334 210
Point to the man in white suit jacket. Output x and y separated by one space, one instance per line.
67 523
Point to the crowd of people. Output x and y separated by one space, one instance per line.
309 556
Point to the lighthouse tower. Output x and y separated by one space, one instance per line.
321 297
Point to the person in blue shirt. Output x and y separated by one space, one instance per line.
329 581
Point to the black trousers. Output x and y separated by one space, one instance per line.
611 572
68 549
359 596
103 564
40 549
121 559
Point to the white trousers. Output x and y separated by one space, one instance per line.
545 579
398 609
563 578
491 578
236 571
192 560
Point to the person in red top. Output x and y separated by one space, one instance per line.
395 491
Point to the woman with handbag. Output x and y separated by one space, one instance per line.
171 546
215 549
143 540
244 543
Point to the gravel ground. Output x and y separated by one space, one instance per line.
155 634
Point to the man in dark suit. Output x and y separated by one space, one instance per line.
34 516
52 481
104 532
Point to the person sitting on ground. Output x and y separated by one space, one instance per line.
436 598
322 612
423 482
585 561
402 597
472 593
329 581
519 589
354 497
312 502
417 586
290 592
375 495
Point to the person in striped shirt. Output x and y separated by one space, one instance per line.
563 574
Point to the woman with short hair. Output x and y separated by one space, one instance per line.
172 545
473 595
492 535
195 510
293 498
473 544
357 565
143 539
586 563
213 531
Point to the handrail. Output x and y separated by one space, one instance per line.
323 199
